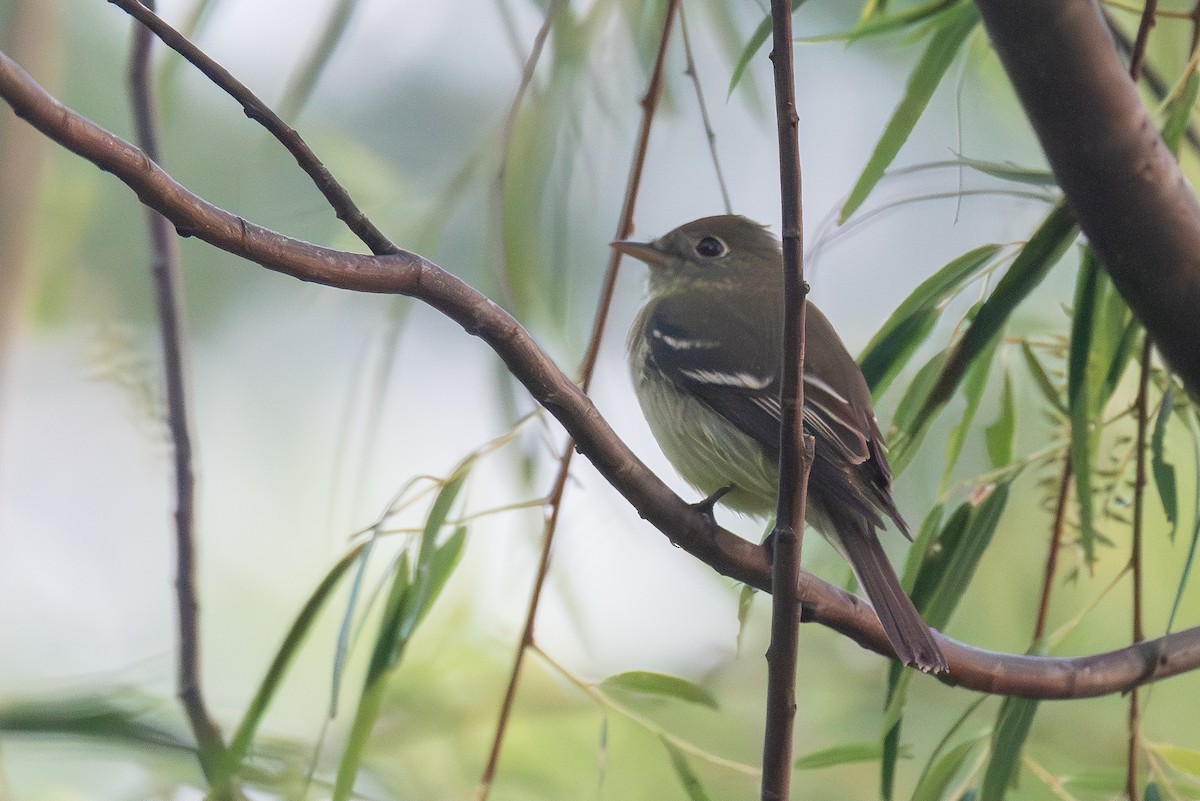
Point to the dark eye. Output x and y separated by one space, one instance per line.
710 247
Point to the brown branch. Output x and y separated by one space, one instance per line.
1143 38
408 274
1056 532
649 105
554 500
709 134
1141 404
795 448
1125 187
168 295
343 206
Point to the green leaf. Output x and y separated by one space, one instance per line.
1012 729
1011 172
975 382
894 344
1042 379
413 590
845 754
119 717
1084 436
1000 435
745 604
683 771
1152 792
1027 271
937 778
645 682
945 576
239 746
1162 470
954 27
1179 111
1190 417
757 39
880 24
908 434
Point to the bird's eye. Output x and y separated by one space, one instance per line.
710 247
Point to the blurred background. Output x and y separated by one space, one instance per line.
314 407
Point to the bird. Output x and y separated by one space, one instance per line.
705 355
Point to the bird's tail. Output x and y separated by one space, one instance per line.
905 629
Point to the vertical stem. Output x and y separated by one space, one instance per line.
168 293
1135 563
795 447
1056 530
649 105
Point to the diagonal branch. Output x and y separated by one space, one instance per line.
409 274
1125 187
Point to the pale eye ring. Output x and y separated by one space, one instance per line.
710 248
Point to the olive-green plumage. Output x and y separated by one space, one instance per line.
706 353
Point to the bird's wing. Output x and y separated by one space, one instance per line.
737 375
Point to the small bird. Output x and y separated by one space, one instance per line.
705 354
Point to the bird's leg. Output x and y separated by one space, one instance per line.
705 507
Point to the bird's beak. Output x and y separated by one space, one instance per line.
642 251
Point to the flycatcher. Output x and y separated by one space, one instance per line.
706 354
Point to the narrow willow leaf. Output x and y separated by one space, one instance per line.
844 754
371 698
941 772
745 604
1042 379
1179 111
953 29
1010 172
926 537
645 682
1189 414
271 682
1012 729
944 578
413 590
908 435
1081 400
1000 435
898 678
877 24
757 39
974 384
1186 760
898 339
116 718
683 771
1162 470
1032 264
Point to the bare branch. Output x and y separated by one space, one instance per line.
168 295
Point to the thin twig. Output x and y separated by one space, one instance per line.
709 134
339 199
795 448
1135 563
587 368
168 295
1056 532
1143 36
